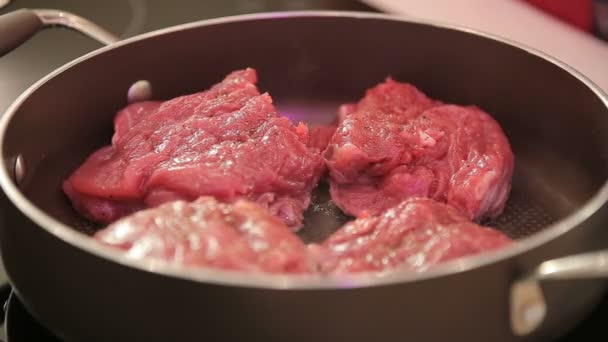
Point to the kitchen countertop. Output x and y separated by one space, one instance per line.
518 21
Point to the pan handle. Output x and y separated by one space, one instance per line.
18 26
527 302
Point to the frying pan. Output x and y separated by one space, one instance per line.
310 62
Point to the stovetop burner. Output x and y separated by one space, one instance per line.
19 325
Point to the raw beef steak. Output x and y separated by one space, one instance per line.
228 142
414 235
396 143
320 136
238 236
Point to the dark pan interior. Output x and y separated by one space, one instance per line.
312 64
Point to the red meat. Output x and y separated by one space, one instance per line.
321 135
397 143
239 236
413 236
228 142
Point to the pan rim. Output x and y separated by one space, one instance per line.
278 281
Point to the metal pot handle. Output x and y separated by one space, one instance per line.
527 302
18 26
